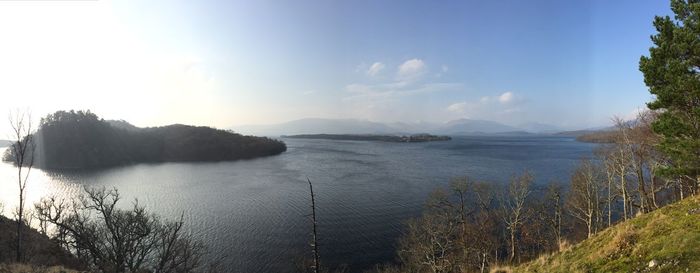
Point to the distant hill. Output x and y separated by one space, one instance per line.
606 136
78 140
317 126
355 126
537 127
593 135
472 126
576 133
4 143
384 138
665 240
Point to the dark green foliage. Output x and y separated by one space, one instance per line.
74 140
672 73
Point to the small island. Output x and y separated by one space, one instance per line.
384 138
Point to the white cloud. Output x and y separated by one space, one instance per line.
375 68
506 97
632 115
411 69
396 89
459 107
445 68
505 107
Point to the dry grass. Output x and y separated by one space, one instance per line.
669 236
500 269
621 244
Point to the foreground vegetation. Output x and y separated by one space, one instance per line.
641 166
91 233
38 249
109 239
666 240
77 140
476 226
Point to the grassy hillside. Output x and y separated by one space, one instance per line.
40 252
666 240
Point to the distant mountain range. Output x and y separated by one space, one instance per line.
356 126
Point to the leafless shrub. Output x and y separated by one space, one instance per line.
110 239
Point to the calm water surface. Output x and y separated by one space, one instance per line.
253 214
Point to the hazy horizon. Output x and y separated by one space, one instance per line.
573 65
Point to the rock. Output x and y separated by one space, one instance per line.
653 263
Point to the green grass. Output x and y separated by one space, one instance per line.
670 236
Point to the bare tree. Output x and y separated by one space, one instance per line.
611 197
607 163
177 251
513 206
48 210
431 241
115 240
584 196
635 156
460 187
654 160
553 201
22 155
487 232
621 162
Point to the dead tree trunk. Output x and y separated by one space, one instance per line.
314 242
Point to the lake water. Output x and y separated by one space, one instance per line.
253 214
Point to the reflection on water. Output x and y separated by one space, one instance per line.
253 214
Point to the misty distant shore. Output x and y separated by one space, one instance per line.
384 138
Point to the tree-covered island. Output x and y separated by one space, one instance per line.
82 140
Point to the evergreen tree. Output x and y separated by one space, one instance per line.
672 73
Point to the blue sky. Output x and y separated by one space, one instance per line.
224 63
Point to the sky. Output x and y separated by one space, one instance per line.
572 64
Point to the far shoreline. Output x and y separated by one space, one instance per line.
371 137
